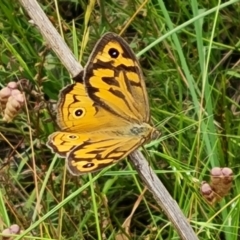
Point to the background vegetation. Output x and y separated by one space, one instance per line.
192 76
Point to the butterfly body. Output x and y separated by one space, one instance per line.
104 116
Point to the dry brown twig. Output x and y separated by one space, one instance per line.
154 185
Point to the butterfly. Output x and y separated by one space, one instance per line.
104 115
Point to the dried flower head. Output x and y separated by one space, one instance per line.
219 186
11 101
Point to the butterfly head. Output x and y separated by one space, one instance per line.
155 134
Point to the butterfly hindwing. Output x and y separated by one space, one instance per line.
63 142
99 151
89 152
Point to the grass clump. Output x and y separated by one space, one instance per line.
189 52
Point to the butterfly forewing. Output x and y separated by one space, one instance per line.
76 112
114 79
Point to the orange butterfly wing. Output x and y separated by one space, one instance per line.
114 79
104 117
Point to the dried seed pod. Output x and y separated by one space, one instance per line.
221 180
12 230
14 104
5 93
12 85
219 186
208 193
